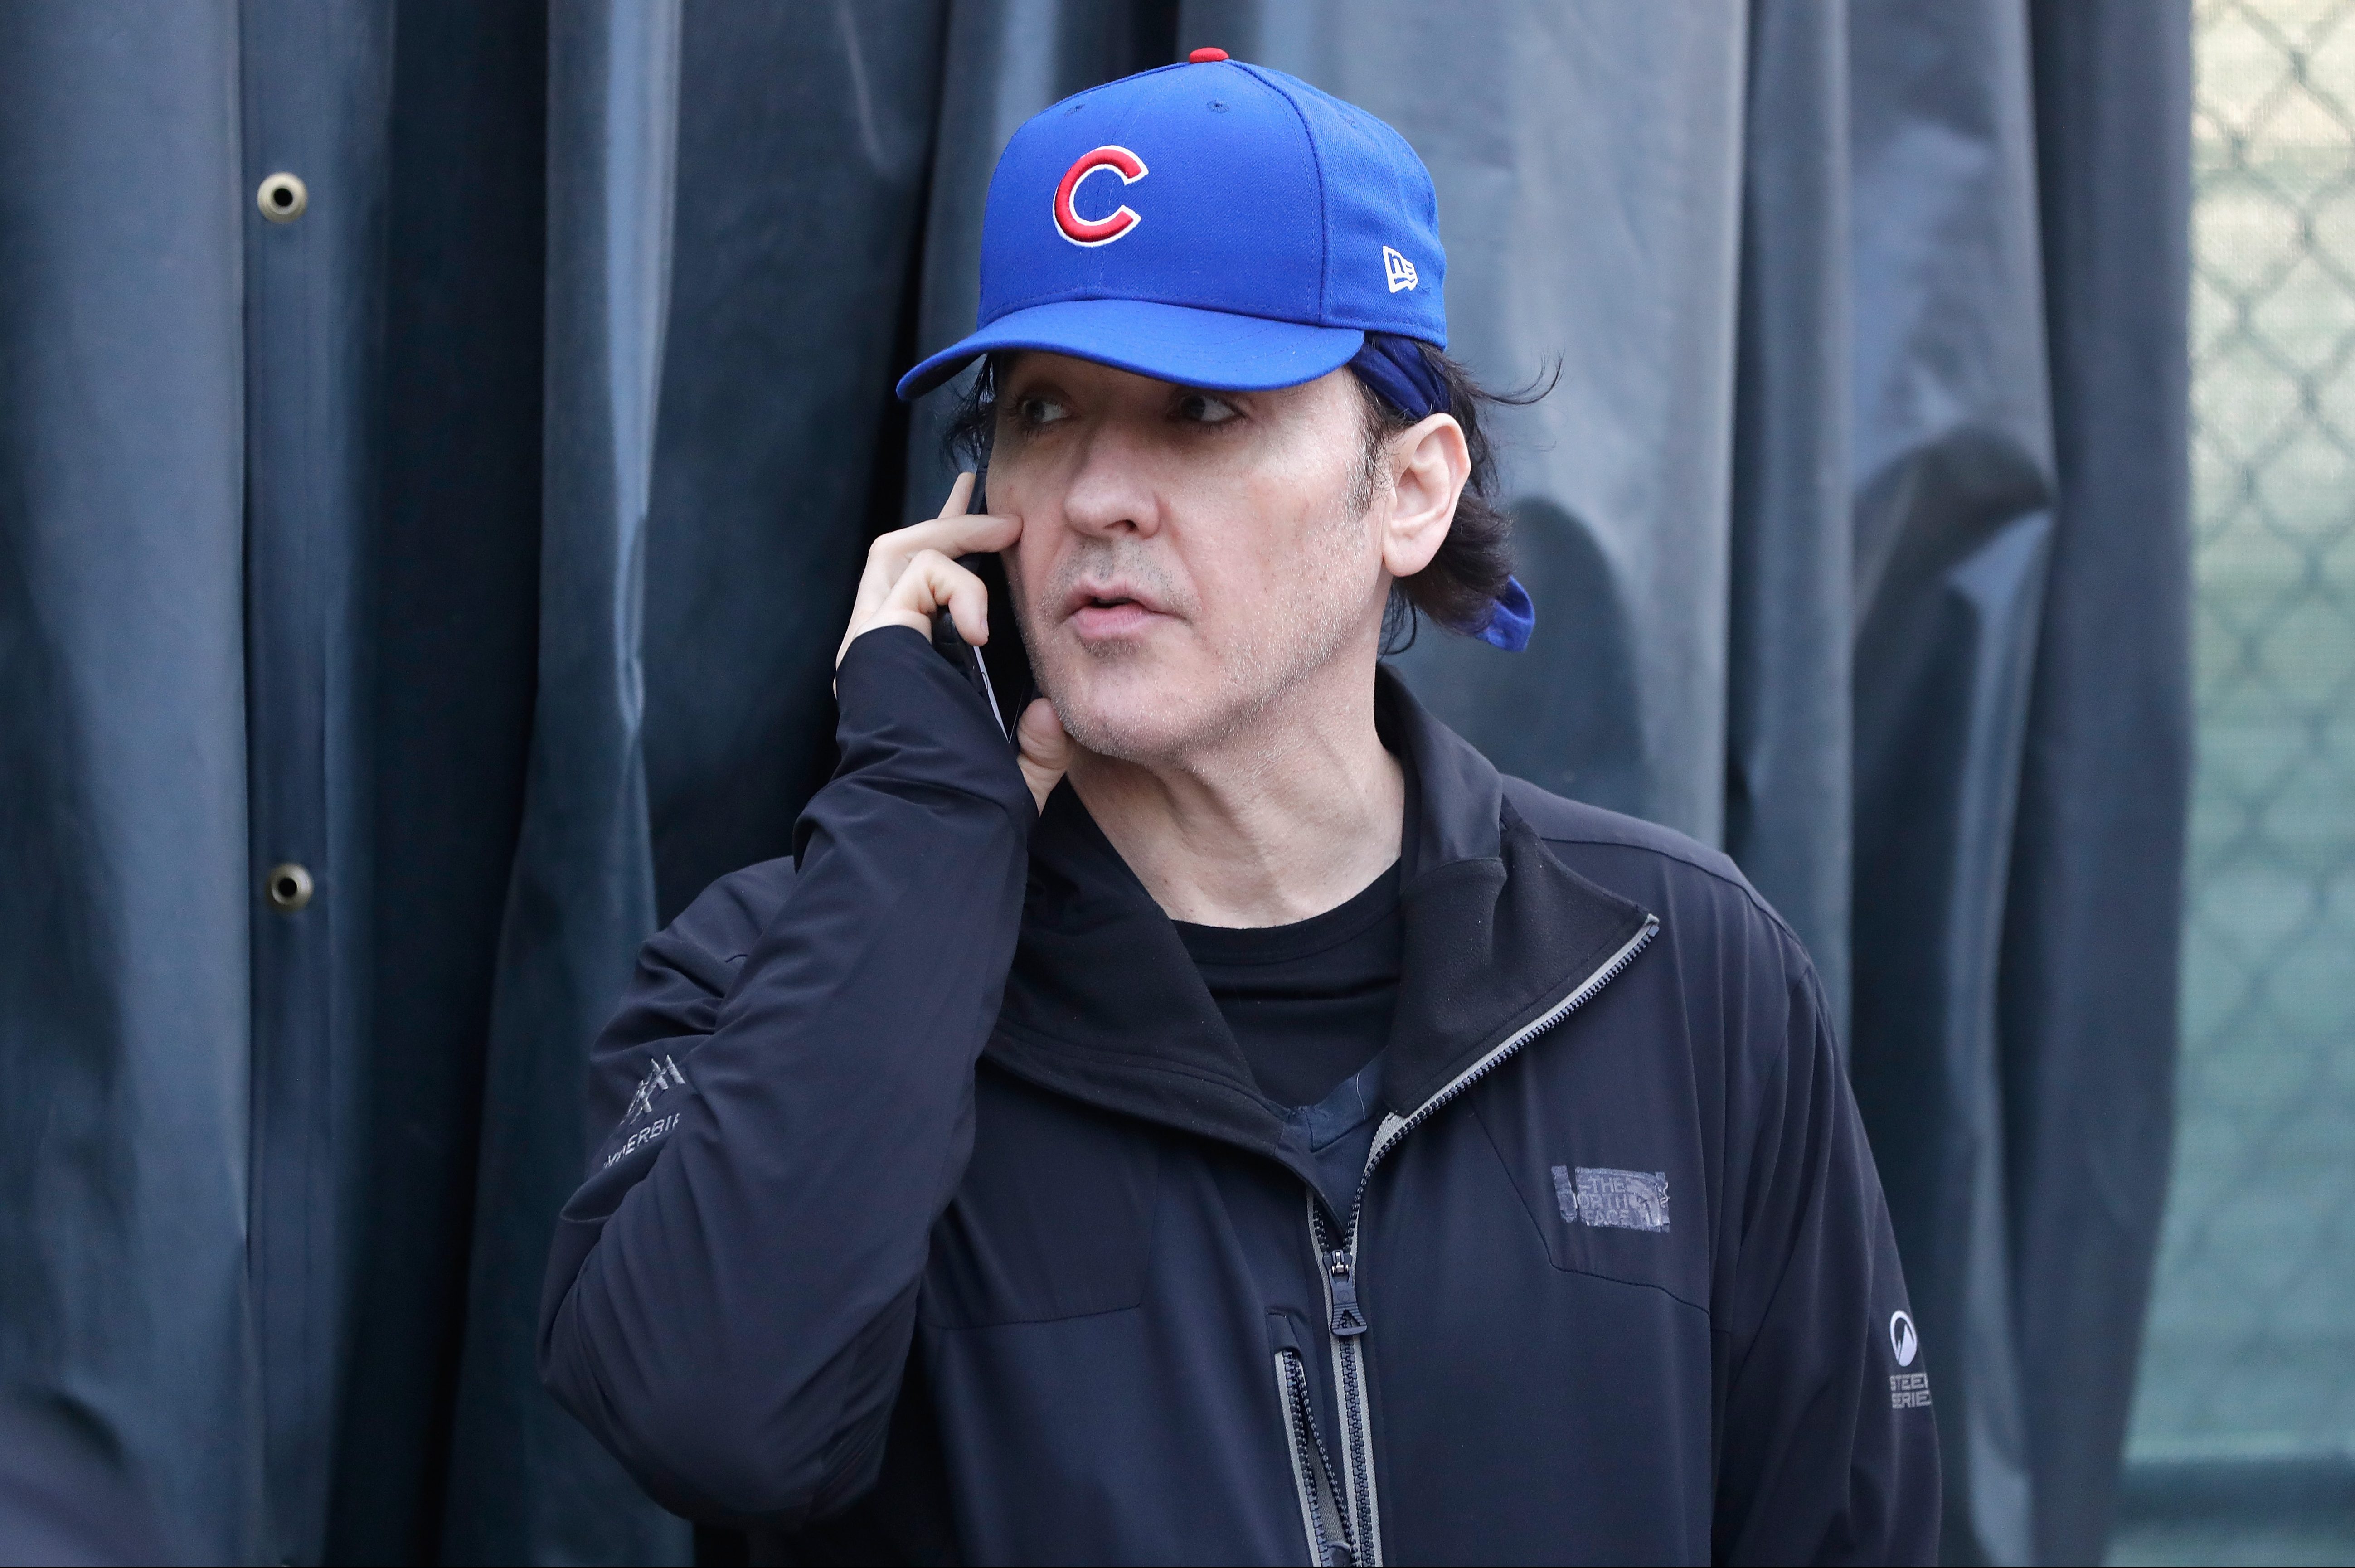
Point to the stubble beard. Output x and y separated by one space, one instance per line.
1313 620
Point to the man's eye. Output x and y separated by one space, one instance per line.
1205 408
1037 411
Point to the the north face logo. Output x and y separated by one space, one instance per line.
1399 270
1615 1199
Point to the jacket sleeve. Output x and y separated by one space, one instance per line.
1828 1448
731 1291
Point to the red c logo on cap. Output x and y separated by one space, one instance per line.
1102 231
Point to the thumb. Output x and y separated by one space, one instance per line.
1046 750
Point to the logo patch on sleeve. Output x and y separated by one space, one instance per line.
1616 1199
664 1077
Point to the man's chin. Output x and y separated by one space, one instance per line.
1135 714
1128 732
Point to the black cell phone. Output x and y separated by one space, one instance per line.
1000 672
969 662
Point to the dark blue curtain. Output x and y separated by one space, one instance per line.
477 540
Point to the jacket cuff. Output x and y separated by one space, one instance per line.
908 712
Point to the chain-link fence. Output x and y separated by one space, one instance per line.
2252 1341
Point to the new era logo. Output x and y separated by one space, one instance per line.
1398 270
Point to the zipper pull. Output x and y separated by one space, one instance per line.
1348 1321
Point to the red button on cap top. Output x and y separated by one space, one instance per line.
1206 57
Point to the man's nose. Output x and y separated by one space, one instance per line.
1111 490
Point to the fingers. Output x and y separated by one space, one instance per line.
954 533
911 571
975 533
931 582
1046 750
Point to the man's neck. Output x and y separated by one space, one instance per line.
1288 817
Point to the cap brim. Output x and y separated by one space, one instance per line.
1214 349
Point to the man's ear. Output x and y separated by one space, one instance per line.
1429 467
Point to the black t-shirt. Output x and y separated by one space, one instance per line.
1310 1004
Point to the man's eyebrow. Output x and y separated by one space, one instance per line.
1037 384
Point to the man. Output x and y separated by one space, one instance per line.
1231 1123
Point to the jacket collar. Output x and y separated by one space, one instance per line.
1105 1004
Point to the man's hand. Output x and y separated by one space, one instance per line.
913 572
1046 750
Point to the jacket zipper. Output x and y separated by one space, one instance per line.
1345 1317
1320 1505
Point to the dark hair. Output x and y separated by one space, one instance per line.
1463 580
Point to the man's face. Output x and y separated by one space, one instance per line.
1187 558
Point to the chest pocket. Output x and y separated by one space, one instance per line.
1054 1217
1619 1196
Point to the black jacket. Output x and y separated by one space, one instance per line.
940 1216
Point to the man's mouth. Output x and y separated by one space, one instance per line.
1108 610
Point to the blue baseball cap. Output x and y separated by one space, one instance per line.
1223 226
1215 224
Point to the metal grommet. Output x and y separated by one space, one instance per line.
281 200
288 886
